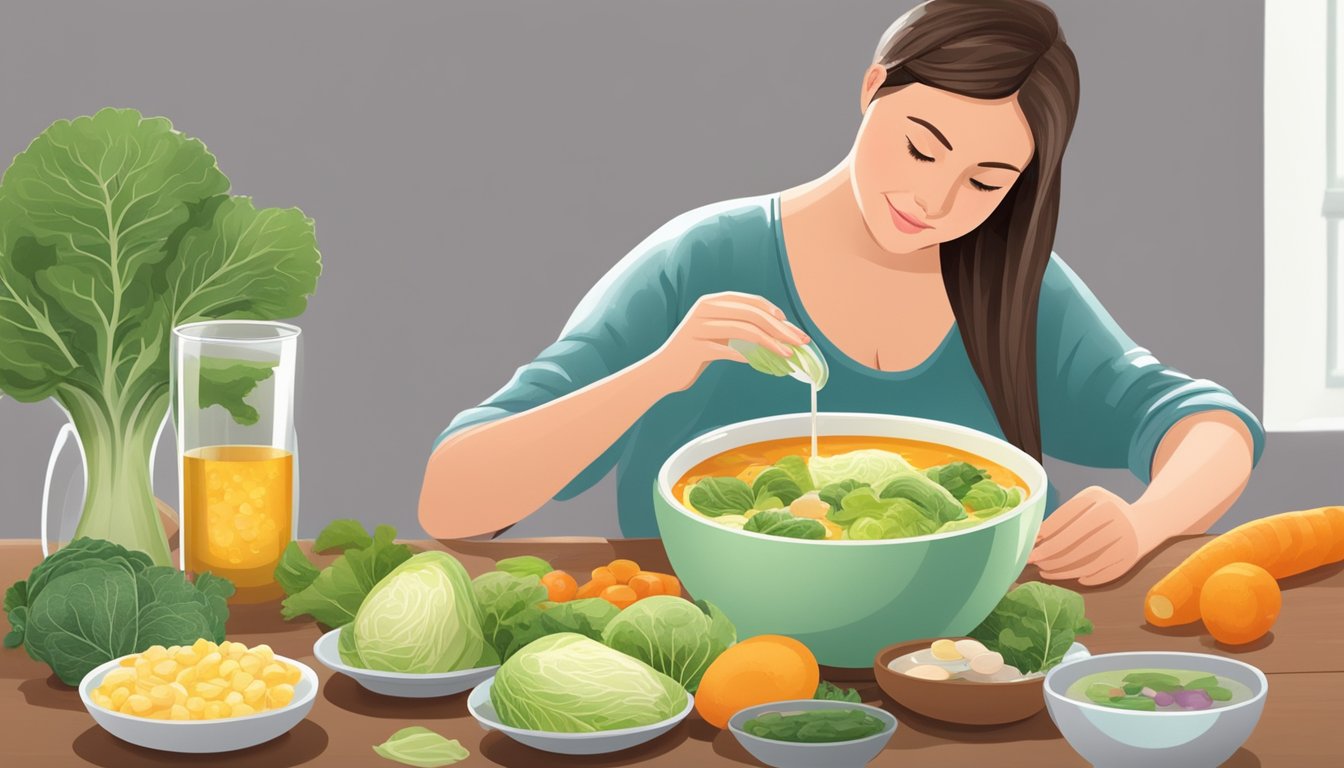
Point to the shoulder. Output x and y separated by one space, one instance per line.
721 239
1068 309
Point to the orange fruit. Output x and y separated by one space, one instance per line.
758 670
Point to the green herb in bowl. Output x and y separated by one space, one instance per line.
817 726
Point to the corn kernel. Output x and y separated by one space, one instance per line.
243 710
292 675
158 714
102 700
195 705
119 697
236 650
264 652
208 690
129 661
166 669
215 710
209 665
250 664
280 695
180 692
202 647
187 657
179 712
161 696
254 692
155 653
274 674
138 703
121 676
228 668
233 698
187 677
240 680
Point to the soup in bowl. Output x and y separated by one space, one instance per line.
884 547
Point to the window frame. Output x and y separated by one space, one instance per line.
1304 215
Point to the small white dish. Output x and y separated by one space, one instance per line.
594 743
401 684
202 736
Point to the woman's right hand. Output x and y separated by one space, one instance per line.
714 320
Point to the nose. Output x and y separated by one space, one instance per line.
937 198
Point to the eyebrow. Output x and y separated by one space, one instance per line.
937 134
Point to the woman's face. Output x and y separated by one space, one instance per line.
928 165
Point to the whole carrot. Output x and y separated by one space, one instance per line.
1284 545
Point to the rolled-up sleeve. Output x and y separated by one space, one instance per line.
1105 401
627 315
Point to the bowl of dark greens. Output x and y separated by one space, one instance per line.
1156 708
805 733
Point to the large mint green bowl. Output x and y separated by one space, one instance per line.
847 599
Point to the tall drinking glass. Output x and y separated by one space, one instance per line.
233 410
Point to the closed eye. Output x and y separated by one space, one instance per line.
915 153
983 187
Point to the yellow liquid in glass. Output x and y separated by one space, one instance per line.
238 514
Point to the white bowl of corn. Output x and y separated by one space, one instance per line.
200 698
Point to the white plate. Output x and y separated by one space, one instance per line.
401 684
202 736
595 743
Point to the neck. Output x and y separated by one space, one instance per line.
827 205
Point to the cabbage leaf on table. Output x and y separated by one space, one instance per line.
333 594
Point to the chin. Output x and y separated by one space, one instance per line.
899 243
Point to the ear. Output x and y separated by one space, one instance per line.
872 80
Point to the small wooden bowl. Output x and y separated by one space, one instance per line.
957 701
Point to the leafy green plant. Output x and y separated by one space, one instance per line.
1034 625
114 229
674 636
93 601
333 594
422 748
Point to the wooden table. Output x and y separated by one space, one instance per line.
44 722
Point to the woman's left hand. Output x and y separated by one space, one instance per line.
1094 537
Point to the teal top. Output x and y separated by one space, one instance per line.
1104 401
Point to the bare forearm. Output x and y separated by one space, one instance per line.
532 454
1200 468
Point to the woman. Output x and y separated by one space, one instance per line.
921 266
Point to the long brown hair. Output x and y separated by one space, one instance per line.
991 49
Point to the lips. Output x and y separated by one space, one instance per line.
905 222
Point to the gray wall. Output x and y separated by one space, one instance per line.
474 167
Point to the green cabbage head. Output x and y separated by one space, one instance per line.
568 683
674 636
422 617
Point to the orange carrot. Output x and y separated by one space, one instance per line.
646 584
1239 603
671 585
1283 545
620 596
623 570
560 586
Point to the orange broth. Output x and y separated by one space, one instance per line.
750 460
